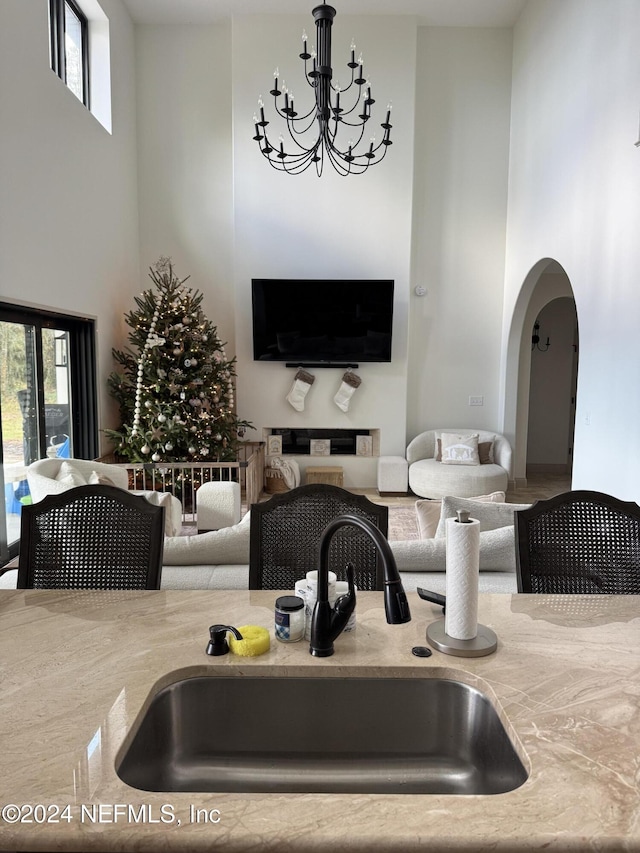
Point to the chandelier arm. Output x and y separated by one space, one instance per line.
338 159
351 168
294 166
294 125
292 157
345 88
273 146
345 113
356 142
354 123
288 117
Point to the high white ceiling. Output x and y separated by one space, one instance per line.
437 13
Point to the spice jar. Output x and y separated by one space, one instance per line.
289 619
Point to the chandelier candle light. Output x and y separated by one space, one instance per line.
310 143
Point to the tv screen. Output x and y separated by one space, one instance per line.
322 320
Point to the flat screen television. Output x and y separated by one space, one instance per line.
322 321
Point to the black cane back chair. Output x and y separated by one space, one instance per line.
91 537
286 531
579 542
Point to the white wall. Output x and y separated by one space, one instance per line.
357 227
574 195
460 209
434 215
68 210
185 160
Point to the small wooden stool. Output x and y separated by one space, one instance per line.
332 475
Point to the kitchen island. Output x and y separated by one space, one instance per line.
76 668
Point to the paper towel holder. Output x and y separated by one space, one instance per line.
484 643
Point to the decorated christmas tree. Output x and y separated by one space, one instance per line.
175 386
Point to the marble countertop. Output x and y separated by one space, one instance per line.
77 667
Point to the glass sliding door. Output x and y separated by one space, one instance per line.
47 403
57 393
18 421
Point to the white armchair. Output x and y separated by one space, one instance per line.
432 479
49 477
42 475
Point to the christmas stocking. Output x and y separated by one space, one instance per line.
303 380
350 381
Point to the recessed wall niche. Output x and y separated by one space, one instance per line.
298 441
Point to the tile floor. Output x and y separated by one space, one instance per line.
539 486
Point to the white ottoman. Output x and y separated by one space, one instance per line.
393 475
217 505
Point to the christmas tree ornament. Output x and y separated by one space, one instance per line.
350 383
156 457
302 382
145 449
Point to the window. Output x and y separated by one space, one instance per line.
69 29
47 401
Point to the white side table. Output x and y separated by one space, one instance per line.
393 475
218 505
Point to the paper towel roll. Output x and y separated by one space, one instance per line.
462 572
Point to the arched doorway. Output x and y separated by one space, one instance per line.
546 282
552 388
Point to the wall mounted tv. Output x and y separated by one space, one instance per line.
322 321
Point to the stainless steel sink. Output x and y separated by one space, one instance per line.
321 735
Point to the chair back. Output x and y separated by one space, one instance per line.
579 542
91 537
286 531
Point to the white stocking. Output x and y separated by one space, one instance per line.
350 381
300 388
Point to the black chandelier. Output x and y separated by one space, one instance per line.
352 157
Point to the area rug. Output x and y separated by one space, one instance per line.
402 523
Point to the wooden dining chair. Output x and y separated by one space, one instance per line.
286 530
579 542
91 537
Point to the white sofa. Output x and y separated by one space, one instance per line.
432 479
220 559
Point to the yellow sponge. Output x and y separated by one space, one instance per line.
255 641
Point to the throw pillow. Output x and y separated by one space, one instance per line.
460 449
172 521
96 479
497 553
428 512
427 516
485 451
69 476
490 515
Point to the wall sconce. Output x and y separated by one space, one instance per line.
535 339
60 351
